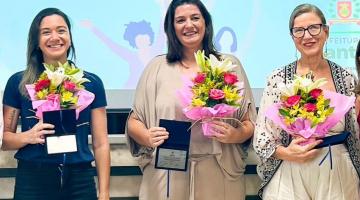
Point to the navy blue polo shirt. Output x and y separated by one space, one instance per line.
37 152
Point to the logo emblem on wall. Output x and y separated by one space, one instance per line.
344 12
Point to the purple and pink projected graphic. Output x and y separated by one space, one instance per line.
116 39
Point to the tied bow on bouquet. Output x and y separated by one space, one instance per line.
60 88
215 92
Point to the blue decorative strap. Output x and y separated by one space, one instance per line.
330 154
168 184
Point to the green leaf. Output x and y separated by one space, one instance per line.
327 102
212 102
284 112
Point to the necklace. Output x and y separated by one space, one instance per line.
184 65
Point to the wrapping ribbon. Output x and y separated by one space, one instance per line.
328 154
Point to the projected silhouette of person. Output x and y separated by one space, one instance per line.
140 36
225 40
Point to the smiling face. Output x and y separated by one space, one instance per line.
189 26
54 39
309 45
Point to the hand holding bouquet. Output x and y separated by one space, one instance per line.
306 110
215 91
59 88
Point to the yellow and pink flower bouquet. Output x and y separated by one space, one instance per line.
60 88
215 91
307 111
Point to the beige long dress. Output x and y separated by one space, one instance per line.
215 171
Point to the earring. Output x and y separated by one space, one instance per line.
325 54
296 56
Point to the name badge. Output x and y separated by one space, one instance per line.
61 144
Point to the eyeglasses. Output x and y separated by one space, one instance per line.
299 32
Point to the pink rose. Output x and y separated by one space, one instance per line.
53 97
315 93
217 94
200 78
292 101
310 107
230 78
69 86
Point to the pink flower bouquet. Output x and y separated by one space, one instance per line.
307 111
59 88
215 91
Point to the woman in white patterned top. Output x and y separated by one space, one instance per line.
290 171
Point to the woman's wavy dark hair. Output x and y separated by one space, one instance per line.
35 59
175 48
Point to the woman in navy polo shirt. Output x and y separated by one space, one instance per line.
51 176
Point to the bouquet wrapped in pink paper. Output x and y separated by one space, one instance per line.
59 88
214 92
306 110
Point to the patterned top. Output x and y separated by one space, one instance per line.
268 136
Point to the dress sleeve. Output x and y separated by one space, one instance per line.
144 105
267 134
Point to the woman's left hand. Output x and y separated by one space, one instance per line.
224 132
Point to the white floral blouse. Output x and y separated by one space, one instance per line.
268 136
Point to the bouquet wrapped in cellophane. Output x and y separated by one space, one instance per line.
59 88
307 111
215 91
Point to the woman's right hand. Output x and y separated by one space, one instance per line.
36 135
296 152
157 136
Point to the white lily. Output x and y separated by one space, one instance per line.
56 76
287 90
222 65
318 83
78 77
200 59
308 84
303 81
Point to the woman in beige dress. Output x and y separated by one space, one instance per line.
290 171
216 165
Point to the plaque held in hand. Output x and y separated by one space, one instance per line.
64 139
174 152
